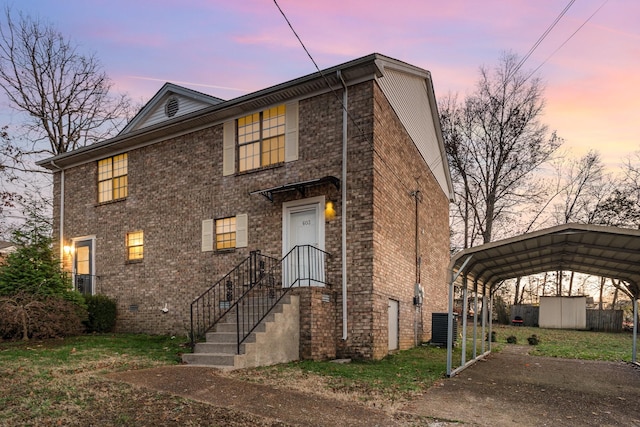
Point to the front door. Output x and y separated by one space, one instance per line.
303 242
83 266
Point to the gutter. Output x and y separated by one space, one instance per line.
344 206
61 231
364 68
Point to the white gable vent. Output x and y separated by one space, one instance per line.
171 107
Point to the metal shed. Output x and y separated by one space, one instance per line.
610 252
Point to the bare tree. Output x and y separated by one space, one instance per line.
618 210
9 158
63 93
632 175
581 185
494 142
582 179
621 206
452 122
65 103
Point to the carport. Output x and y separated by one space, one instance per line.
595 250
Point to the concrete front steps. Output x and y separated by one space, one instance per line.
275 340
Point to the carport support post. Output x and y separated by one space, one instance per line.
450 317
484 316
464 320
450 326
475 318
635 330
490 318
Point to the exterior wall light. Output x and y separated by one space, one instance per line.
329 211
68 249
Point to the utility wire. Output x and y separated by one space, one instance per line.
344 108
301 43
541 38
317 68
567 40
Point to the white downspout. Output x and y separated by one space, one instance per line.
61 231
343 187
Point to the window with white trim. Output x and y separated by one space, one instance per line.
112 178
261 139
224 233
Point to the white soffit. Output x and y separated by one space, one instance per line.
409 98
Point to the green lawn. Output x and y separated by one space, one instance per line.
413 371
62 381
585 345
59 381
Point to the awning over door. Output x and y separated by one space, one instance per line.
300 186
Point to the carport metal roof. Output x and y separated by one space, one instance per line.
597 250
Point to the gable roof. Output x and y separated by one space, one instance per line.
156 111
410 92
592 249
397 79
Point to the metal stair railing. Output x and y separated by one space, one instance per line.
303 266
210 307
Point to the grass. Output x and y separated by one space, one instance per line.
585 345
400 376
128 348
384 384
62 382
405 372
408 370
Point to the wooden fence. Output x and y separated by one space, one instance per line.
597 320
528 313
604 320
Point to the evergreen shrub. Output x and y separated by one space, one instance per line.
101 313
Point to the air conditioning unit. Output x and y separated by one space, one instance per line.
440 327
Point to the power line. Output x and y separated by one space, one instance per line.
298 37
542 37
317 68
344 108
567 40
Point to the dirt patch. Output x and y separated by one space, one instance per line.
277 403
508 388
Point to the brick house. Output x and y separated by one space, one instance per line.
346 209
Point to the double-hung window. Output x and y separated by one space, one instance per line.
135 246
261 139
112 178
226 233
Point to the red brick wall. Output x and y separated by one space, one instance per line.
177 183
173 186
317 323
400 171
381 236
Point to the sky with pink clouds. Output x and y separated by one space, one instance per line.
228 48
